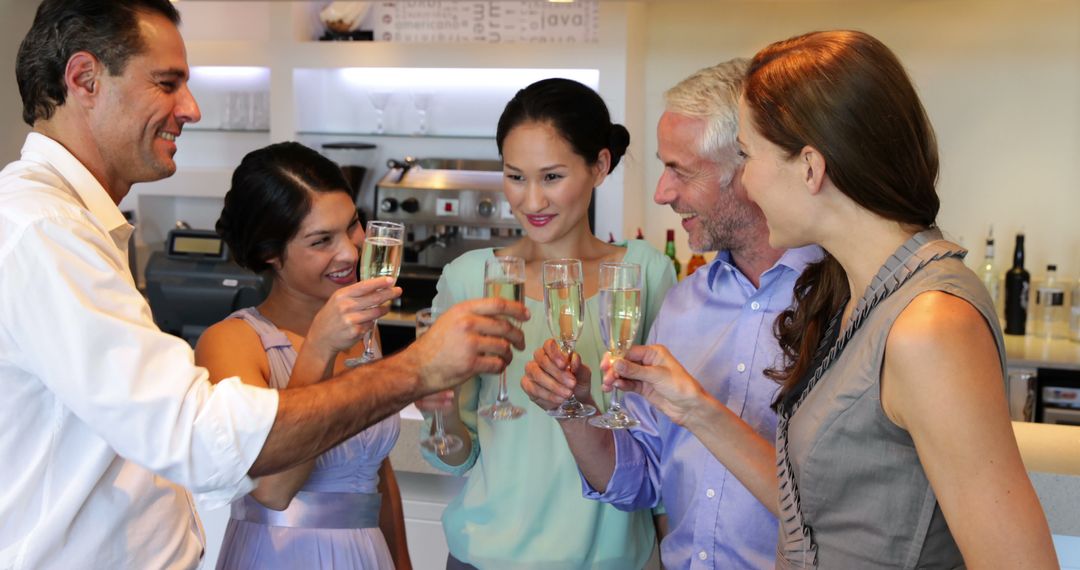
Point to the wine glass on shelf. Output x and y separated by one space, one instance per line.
421 102
564 303
380 257
620 317
438 442
504 277
379 99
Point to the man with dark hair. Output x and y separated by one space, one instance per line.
104 419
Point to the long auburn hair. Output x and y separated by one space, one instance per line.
846 95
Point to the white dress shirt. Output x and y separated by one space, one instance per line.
104 419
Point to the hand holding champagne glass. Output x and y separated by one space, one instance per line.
439 442
620 317
381 257
504 277
564 302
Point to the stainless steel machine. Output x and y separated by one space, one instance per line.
448 206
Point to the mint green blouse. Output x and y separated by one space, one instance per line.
522 505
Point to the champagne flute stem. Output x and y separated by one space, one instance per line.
503 390
439 433
616 400
369 351
572 401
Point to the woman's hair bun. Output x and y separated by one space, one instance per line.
618 142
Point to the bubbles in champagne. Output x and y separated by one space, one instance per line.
381 257
620 317
565 310
509 289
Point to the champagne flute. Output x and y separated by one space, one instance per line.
564 303
620 317
381 257
504 277
439 442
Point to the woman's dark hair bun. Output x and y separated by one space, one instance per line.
269 198
617 145
574 110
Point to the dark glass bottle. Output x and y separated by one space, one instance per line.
669 250
1017 282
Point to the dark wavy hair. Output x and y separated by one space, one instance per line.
269 197
577 112
108 29
845 94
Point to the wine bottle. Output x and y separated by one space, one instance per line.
1017 282
696 261
988 271
639 235
669 250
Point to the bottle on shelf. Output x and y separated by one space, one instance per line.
639 234
696 261
1074 315
1017 282
1050 319
611 237
669 250
988 272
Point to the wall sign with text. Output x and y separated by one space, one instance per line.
505 21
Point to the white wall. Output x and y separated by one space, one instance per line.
999 79
17 16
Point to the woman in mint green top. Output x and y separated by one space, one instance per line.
522 506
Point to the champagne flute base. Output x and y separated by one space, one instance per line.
442 444
572 411
613 420
501 411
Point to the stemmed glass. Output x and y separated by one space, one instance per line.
378 99
381 257
439 442
620 317
564 303
421 101
504 277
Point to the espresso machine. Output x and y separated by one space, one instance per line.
448 207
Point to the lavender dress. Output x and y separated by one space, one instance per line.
333 521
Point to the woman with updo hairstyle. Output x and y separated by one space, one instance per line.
521 506
290 214
893 447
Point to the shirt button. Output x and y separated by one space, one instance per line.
741 367
701 555
710 493
755 305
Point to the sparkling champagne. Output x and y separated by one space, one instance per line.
620 316
565 310
509 289
381 257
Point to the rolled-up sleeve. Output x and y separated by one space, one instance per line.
83 328
635 483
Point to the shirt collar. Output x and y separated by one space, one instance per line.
80 182
795 259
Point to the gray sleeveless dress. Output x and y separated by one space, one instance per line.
853 493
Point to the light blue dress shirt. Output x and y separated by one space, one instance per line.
720 327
